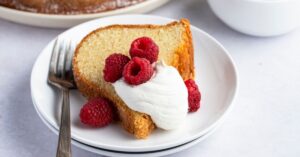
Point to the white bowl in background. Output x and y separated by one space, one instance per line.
258 17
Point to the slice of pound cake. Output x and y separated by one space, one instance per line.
175 49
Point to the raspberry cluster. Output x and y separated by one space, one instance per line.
138 70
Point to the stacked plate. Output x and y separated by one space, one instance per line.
216 76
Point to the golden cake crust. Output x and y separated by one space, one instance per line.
70 7
139 124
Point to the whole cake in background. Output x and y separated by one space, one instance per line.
68 6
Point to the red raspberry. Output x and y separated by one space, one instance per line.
194 95
137 71
144 47
97 112
114 65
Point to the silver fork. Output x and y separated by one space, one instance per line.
60 75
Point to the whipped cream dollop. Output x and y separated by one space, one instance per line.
164 97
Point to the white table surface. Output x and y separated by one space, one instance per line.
264 122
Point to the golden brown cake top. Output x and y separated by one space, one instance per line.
67 6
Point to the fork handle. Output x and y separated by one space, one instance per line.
64 141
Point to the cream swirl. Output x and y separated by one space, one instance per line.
164 97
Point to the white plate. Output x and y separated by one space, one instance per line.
215 74
64 21
132 154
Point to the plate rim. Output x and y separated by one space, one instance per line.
165 145
101 151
